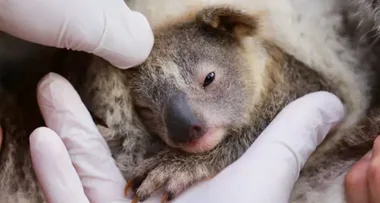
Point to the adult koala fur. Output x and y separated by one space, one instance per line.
249 62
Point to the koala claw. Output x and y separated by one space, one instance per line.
127 187
164 198
135 200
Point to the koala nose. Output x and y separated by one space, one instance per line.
196 132
182 124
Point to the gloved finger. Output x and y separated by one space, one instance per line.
127 38
356 181
108 29
51 162
65 113
272 164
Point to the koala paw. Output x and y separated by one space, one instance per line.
170 170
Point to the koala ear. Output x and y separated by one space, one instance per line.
228 19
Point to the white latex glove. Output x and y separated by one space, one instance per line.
92 176
108 29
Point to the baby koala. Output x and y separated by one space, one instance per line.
216 77
214 81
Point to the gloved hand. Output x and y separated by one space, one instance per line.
108 29
80 169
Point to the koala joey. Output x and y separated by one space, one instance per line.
213 82
216 77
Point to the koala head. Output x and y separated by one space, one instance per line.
198 82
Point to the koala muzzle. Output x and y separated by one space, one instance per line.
182 124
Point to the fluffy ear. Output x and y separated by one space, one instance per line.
228 19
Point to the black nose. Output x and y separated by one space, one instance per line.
182 124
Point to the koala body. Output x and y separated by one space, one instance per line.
216 77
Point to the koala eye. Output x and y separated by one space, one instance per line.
209 79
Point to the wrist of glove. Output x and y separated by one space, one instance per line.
108 29
86 171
